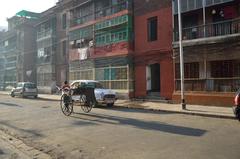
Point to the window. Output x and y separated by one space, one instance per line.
113 77
114 36
152 29
64 21
64 47
5 43
228 68
40 52
44 79
191 70
83 33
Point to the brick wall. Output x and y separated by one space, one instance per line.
164 41
140 81
214 99
159 51
167 78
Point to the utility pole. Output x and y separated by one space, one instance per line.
181 55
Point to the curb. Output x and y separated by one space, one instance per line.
20 145
181 112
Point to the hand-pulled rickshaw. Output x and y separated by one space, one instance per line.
86 101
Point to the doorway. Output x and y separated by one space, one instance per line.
153 78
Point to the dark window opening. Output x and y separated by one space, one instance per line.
227 68
64 21
191 70
152 29
64 47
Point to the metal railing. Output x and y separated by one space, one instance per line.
43 34
210 30
10 48
110 10
210 85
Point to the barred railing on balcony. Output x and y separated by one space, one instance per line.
112 9
210 85
124 5
44 34
10 48
210 30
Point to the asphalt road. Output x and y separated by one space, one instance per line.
118 133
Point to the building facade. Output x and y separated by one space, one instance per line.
24 22
46 51
61 66
153 50
52 48
101 44
18 50
9 59
211 35
2 62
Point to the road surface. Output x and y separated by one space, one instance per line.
117 133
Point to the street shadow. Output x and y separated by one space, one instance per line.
1 152
83 122
140 124
41 99
10 104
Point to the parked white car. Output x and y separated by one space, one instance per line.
102 95
25 89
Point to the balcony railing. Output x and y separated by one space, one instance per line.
210 30
82 19
11 48
107 11
44 34
112 9
210 85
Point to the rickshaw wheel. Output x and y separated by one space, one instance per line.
66 105
86 106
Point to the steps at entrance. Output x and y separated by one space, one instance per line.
154 97
153 94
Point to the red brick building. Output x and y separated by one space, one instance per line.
153 61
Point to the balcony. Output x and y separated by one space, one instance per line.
99 13
110 10
44 34
81 20
223 28
8 49
190 5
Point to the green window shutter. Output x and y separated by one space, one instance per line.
113 74
106 74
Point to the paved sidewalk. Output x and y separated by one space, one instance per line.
209 111
14 148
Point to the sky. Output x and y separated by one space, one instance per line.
9 8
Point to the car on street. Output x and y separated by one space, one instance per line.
25 89
102 95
